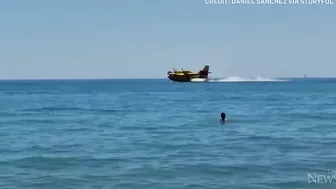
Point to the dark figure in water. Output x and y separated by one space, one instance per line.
223 116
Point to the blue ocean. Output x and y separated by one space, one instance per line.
155 134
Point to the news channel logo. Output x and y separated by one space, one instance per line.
269 2
324 176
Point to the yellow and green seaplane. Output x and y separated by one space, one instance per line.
189 76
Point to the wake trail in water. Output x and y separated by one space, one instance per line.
240 79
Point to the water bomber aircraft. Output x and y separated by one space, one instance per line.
189 76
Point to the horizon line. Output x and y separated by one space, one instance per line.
55 79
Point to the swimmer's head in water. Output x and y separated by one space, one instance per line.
223 115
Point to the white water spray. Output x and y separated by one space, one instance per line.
240 79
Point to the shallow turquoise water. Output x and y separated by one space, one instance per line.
127 134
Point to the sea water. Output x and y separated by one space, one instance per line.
154 134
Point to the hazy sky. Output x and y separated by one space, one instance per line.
146 38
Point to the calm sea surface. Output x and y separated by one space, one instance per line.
153 134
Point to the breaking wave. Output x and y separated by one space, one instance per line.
240 79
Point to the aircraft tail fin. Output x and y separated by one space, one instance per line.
206 68
204 73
